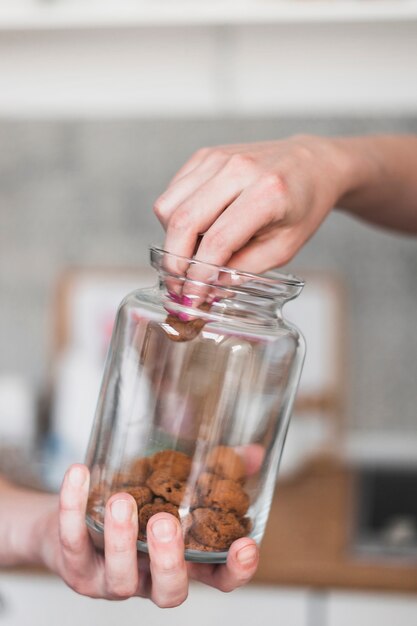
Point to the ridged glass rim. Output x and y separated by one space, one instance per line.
272 277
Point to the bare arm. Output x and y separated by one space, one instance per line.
257 204
386 173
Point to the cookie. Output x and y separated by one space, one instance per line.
140 469
141 494
223 494
164 485
181 330
146 512
122 480
226 463
177 330
215 529
192 544
177 464
247 525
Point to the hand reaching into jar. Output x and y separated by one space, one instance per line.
253 206
42 529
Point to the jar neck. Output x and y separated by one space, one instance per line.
237 306
188 285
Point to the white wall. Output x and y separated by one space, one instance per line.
292 66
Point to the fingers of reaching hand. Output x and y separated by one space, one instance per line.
193 162
275 250
77 549
120 535
232 230
242 561
193 202
184 189
166 553
199 210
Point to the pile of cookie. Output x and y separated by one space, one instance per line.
216 503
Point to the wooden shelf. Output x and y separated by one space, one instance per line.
63 14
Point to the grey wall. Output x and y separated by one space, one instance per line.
80 193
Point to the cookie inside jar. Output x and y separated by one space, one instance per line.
209 498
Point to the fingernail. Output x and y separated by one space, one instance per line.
164 530
121 510
174 297
77 477
183 317
247 555
186 301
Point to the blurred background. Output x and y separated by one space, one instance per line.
100 104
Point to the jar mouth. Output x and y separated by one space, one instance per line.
273 284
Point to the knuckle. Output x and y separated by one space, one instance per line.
180 221
169 565
274 183
218 155
122 589
216 240
201 153
75 545
160 207
171 601
78 585
241 161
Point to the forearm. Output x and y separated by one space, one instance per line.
383 180
23 515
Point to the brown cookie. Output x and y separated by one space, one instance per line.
226 463
179 330
141 494
148 510
215 529
140 469
121 480
192 544
223 494
246 524
175 463
162 484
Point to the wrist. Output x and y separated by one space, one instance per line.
359 168
26 527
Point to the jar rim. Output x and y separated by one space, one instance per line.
271 278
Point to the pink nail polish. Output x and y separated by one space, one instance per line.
174 297
186 301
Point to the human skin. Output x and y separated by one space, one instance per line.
253 206
49 530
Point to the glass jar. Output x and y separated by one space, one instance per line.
195 402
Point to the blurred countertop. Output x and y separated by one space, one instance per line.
310 536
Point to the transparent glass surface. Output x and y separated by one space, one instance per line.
195 403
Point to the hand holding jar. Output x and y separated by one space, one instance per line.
41 529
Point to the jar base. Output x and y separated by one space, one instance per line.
96 531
